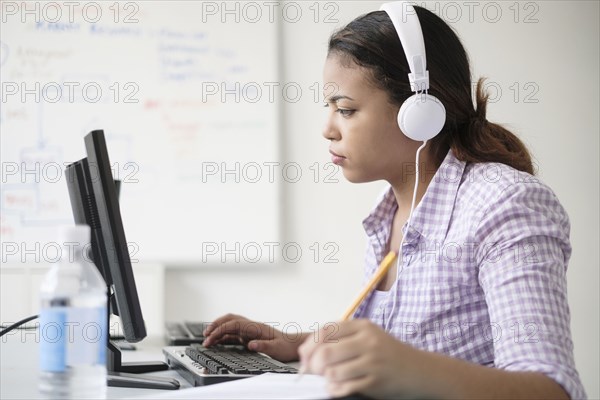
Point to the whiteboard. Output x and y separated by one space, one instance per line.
189 107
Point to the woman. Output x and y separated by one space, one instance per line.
477 305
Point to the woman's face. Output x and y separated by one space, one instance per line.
361 125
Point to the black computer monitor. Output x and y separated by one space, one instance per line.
94 201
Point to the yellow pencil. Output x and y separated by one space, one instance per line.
383 269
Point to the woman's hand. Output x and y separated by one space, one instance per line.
360 357
256 336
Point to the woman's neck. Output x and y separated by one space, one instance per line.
404 184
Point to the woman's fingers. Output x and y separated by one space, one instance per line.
217 330
241 327
229 339
347 369
331 333
220 321
230 328
327 355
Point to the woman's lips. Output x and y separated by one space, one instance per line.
336 158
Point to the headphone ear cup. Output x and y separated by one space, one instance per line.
421 117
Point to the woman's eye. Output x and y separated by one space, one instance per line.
342 111
345 113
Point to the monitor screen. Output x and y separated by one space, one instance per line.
94 201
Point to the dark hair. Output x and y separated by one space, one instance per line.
371 41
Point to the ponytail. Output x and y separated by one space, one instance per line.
484 141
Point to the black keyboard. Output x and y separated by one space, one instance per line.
204 366
235 360
184 333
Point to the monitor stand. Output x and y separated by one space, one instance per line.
121 374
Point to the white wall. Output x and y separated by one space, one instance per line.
558 55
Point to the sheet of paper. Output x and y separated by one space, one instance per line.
260 387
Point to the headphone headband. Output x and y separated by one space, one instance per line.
421 116
409 31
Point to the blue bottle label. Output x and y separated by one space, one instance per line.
53 339
103 319
71 337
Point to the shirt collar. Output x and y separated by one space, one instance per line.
431 217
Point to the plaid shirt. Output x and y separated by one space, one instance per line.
482 275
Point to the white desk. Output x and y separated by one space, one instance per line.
19 366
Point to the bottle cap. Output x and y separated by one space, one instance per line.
79 234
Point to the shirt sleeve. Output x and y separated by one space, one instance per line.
523 249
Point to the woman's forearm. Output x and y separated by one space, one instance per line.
442 376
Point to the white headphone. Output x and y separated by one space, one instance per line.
421 116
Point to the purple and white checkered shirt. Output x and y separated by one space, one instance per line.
483 271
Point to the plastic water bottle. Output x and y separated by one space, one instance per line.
73 323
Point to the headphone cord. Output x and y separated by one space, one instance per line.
17 324
412 207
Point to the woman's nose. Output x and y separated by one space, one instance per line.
330 131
